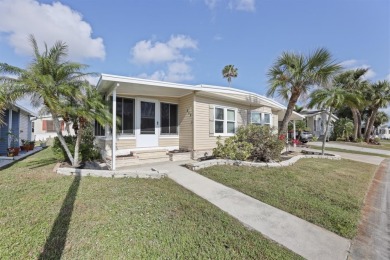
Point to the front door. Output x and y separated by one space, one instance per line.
147 127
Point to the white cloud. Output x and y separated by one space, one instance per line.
388 77
48 23
176 72
355 64
242 5
147 51
211 3
170 55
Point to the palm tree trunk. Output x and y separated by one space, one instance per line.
77 147
326 130
369 124
355 123
359 115
57 126
290 108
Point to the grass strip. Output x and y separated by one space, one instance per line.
328 193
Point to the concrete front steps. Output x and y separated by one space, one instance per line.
149 156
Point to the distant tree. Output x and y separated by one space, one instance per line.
343 128
379 96
295 74
330 99
229 72
380 119
298 109
352 81
60 86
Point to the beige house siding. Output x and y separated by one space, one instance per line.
165 142
186 115
204 140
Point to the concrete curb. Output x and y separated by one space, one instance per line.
113 174
291 161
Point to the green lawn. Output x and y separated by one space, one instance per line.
47 216
328 193
329 149
384 145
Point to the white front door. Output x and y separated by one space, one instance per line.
148 114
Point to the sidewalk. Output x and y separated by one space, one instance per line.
352 148
371 159
373 238
300 236
5 161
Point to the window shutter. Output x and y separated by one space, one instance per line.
211 118
62 125
44 125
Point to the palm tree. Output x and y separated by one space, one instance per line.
53 82
294 74
379 96
298 109
381 118
352 80
330 99
229 72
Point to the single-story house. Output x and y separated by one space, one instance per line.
43 128
316 121
17 121
383 132
156 115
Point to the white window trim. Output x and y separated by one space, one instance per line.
225 121
262 118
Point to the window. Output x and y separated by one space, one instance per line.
99 129
258 118
224 121
125 108
169 119
48 126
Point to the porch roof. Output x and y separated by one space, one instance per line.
152 88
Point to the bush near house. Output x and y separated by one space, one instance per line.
87 152
252 142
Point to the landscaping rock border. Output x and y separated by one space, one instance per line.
152 174
293 160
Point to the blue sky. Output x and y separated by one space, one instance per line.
190 41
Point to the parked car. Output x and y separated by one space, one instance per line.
306 137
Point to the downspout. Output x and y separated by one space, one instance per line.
9 126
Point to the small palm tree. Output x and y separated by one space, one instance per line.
330 99
57 84
293 75
229 72
379 96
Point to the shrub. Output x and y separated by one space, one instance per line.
87 150
343 128
254 142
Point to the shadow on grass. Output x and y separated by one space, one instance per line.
55 243
41 163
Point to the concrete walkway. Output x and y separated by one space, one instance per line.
373 238
352 148
300 236
5 161
371 159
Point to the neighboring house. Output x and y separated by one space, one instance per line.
157 115
316 121
383 132
17 121
43 128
